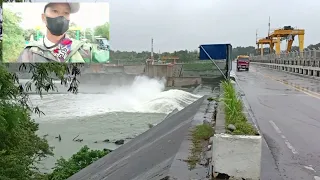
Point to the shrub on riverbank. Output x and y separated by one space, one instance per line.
66 168
234 111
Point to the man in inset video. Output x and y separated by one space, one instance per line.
56 46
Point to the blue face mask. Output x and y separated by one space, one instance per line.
58 25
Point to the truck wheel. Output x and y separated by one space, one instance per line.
238 69
247 69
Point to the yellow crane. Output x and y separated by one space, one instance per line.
264 41
287 33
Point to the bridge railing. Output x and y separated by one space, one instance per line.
309 57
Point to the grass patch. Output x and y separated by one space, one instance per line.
233 111
199 135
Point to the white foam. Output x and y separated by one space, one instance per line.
167 101
143 95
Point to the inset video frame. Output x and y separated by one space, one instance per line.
27 40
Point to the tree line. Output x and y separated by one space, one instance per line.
184 55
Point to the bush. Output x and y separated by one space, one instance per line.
66 168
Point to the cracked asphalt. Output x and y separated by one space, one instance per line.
286 108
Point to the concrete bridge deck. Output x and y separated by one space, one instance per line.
306 63
286 109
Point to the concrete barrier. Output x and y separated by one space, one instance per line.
136 70
237 156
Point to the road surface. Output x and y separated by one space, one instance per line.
286 108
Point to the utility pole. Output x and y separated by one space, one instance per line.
269 27
257 41
152 48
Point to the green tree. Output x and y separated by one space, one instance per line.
72 33
20 148
140 57
1 50
316 46
102 31
66 168
13 36
27 34
243 51
89 34
132 57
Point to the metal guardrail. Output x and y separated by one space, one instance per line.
309 57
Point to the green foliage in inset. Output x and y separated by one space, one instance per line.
13 36
102 31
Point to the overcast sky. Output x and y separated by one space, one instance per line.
185 24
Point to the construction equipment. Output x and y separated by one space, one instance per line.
267 41
103 43
101 53
287 33
274 38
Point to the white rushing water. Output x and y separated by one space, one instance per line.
114 112
144 95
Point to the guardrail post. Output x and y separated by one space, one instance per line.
317 57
